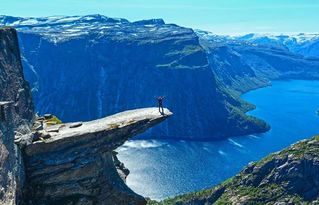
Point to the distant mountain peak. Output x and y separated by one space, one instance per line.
305 44
61 28
92 18
150 21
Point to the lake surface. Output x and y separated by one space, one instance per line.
164 168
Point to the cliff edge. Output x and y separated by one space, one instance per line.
65 57
74 163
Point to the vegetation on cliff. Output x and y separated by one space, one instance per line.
290 176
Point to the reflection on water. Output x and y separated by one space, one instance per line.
163 168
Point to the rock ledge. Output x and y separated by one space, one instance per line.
76 165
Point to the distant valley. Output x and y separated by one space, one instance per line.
86 67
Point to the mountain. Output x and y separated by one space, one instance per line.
86 67
43 161
290 176
303 44
240 66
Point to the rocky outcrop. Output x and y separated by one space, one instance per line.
102 65
74 163
16 114
290 176
56 163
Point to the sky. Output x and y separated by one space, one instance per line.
232 17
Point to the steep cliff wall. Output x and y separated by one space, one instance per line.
101 66
16 113
82 68
71 163
12 83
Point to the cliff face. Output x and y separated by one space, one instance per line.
287 177
74 163
12 83
100 66
71 163
16 113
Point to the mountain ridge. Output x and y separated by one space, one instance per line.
112 62
303 44
198 73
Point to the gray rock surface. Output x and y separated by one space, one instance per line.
77 165
70 163
16 117
12 83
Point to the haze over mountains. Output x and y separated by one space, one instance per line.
85 67
304 44
242 65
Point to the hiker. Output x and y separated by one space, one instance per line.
160 104
2 114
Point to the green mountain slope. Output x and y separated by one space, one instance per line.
290 176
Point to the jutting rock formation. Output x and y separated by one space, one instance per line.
121 65
72 163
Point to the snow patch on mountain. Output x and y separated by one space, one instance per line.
61 28
305 44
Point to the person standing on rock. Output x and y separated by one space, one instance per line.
160 104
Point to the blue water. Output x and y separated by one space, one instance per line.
164 168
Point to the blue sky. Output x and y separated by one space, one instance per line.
219 16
